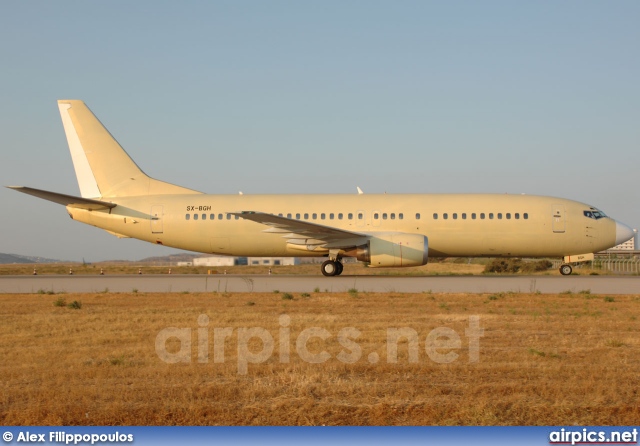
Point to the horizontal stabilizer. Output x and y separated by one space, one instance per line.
66 200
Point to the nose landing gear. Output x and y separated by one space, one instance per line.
566 269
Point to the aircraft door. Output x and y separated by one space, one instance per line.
156 219
558 218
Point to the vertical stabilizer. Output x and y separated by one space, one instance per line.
102 166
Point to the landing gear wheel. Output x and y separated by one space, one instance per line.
339 267
329 268
566 270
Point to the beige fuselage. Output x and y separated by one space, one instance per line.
457 225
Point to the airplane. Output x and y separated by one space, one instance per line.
382 230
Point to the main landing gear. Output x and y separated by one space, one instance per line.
566 269
332 268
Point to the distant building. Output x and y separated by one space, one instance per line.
319 260
234 261
272 261
217 261
629 245
311 260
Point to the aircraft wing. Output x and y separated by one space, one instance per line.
67 200
299 232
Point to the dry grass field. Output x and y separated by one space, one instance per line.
543 360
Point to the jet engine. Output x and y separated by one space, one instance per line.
394 249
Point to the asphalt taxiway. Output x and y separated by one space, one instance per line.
301 284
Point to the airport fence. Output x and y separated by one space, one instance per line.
620 266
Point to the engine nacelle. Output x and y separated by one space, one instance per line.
394 249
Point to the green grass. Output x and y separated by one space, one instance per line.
75 305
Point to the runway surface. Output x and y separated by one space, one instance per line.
295 283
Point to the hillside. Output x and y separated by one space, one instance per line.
15 258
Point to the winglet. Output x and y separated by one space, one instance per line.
359 191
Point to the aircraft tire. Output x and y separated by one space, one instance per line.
339 267
566 270
329 268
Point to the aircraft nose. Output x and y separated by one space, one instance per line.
623 233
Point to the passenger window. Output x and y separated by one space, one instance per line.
288 215
473 216
228 216
350 216
499 216
508 216
384 216
204 216
418 216
400 216
464 216
482 216
525 216
375 216
306 216
212 216
298 216
195 216
360 216
340 216
237 218
445 216
314 216
393 216
219 216
455 216
187 217
435 216
330 216
490 216
517 216
322 216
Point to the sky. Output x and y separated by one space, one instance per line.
537 97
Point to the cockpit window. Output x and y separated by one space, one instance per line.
594 213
